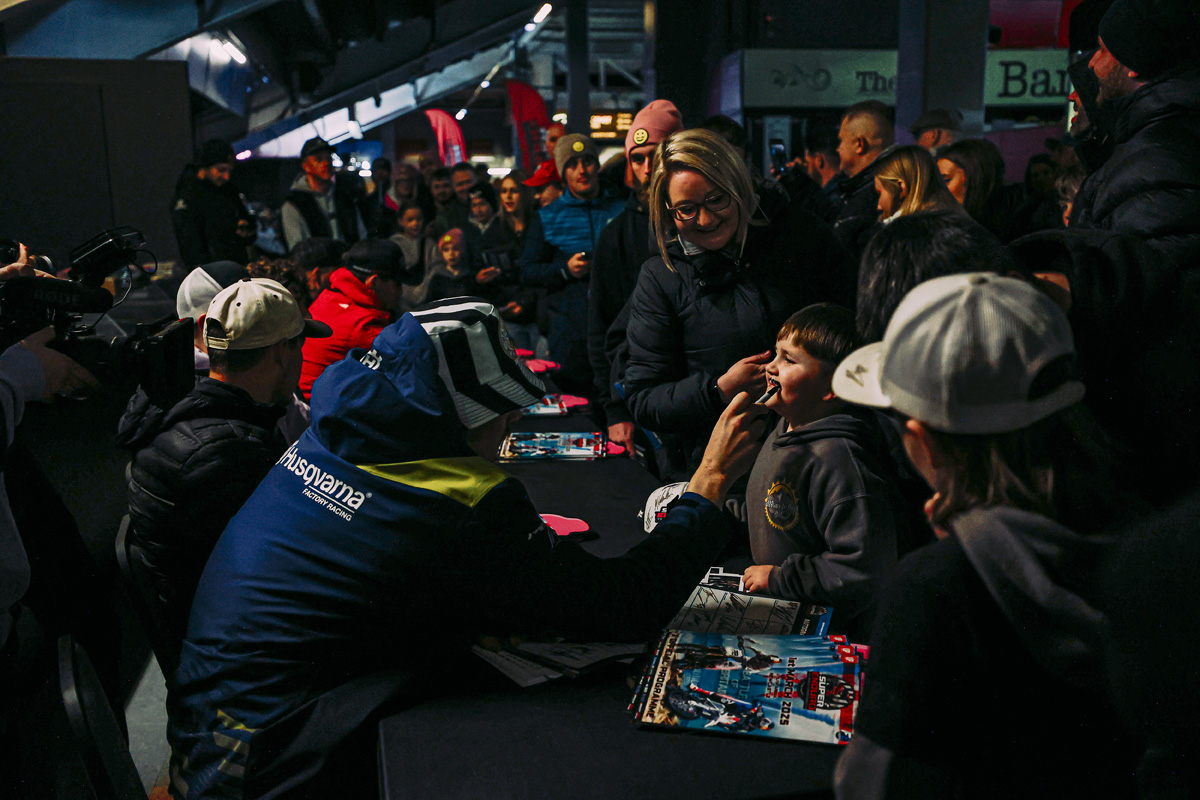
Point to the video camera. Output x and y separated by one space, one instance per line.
157 354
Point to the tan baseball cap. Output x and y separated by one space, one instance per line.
258 312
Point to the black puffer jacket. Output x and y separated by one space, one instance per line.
1132 256
193 468
1150 185
687 326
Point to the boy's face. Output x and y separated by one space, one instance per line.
451 253
412 222
805 385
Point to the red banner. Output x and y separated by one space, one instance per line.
530 119
452 147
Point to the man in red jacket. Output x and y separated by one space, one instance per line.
358 304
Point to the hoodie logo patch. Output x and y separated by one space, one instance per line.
334 495
371 359
781 506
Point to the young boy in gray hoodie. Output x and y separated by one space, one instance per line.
825 510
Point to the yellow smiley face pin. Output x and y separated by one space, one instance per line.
640 136
577 147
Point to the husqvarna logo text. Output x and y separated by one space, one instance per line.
337 496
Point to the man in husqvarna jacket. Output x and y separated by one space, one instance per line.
385 534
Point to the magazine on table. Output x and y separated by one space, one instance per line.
532 445
803 688
552 405
718 610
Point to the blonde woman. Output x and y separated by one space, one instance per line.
734 262
908 181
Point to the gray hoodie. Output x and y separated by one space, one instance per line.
823 505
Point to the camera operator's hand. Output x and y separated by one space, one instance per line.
63 375
22 266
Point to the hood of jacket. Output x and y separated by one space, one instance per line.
856 423
1028 563
1174 94
209 399
344 282
388 405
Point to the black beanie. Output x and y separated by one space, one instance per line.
1151 36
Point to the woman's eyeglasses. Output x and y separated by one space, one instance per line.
717 201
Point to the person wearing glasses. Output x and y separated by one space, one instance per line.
732 267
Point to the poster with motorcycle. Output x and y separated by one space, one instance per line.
785 687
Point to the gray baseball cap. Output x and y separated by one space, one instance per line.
966 354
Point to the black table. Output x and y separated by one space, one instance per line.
484 737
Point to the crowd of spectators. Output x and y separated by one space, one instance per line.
972 398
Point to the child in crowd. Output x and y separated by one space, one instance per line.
985 669
421 255
825 513
455 276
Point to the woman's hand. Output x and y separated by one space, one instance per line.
731 450
748 375
487 275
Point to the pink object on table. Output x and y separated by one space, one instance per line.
541 365
571 401
565 526
523 353
613 449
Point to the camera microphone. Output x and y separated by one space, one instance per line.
61 295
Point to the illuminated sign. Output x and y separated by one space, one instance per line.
838 78
610 124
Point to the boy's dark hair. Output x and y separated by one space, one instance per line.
440 174
318 251
825 330
915 248
485 192
405 206
462 166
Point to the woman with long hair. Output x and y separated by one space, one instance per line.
731 267
517 203
980 372
974 173
908 181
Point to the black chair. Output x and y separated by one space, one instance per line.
144 599
102 748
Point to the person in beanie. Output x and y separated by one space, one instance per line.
386 531
211 222
195 462
559 249
981 632
1131 256
624 246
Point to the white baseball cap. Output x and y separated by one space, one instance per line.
968 354
257 312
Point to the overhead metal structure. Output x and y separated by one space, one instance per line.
274 72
